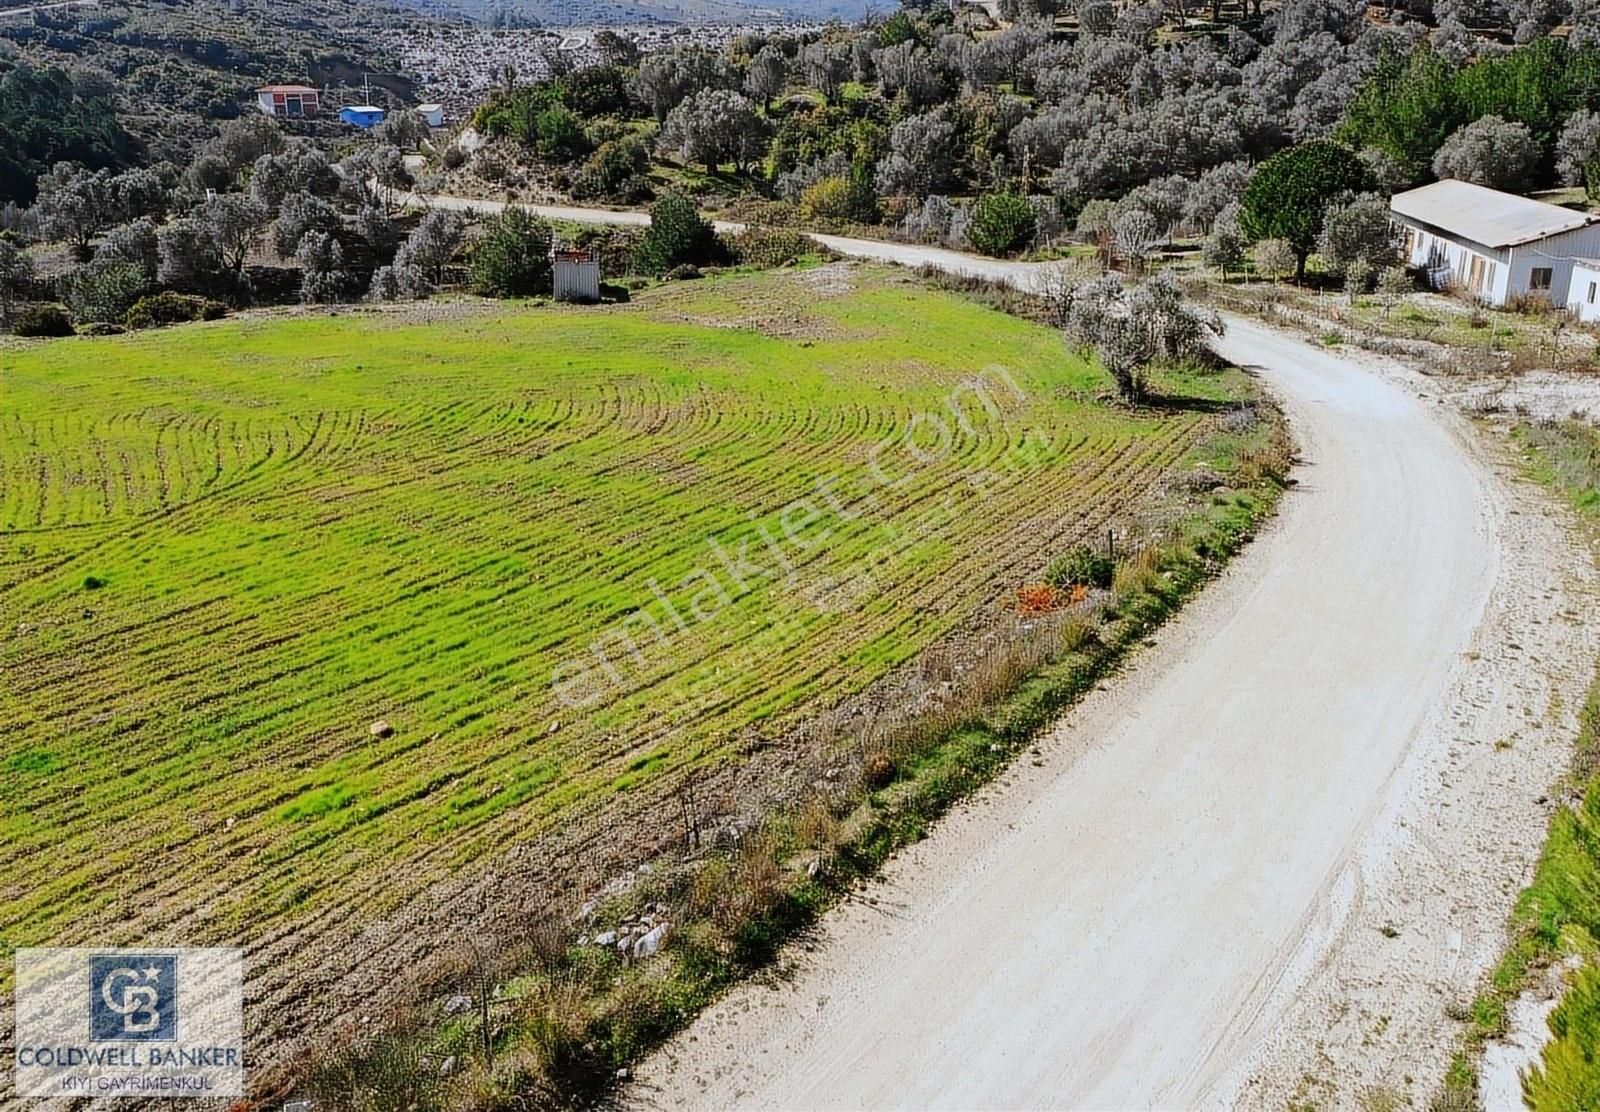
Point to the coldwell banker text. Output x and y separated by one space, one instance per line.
119 1022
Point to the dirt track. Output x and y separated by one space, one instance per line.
1269 862
1174 909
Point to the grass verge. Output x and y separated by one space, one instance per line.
559 1021
1558 914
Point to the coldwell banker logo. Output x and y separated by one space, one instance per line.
133 998
129 1023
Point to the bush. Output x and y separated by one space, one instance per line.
1001 223
161 309
104 289
828 199
771 247
615 172
678 236
683 273
43 321
1082 566
513 258
559 135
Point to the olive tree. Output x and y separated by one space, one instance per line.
433 243
1490 151
1578 152
769 70
1135 235
16 275
1275 259
75 204
299 168
299 214
667 78
827 67
716 126
323 277
236 223
1358 232
191 259
922 153
1129 332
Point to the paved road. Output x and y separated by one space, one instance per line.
1116 928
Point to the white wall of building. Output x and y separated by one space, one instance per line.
1456 263
1498 273
1583 297
1555 253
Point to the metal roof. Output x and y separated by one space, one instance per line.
286 89
1485 215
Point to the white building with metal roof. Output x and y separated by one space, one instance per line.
1583 295
1496 246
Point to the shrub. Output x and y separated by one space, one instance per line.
43 321
1082 566
771 247
615 171
104 289
513 258
559 135
161 309
1001 223
828 199
392 283
678 235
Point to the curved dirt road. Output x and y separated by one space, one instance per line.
1110 933
1187 903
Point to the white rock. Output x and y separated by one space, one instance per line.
606 938
448 1066
650 944
457 1004
380 728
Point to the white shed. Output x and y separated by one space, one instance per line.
432 113
577 276
1583 299
1494 245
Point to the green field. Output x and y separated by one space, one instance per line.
227 549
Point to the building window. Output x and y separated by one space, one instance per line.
1540 278
1591 293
